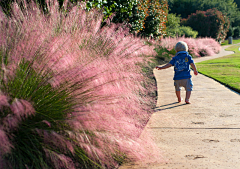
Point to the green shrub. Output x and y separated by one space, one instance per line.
156 18
174 29
172 25
145 17
182 31
187 31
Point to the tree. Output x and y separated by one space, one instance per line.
156 18
236 32
238 3
230 31
187 7
174 29
210 23
187 31
173 23
146 17
182 7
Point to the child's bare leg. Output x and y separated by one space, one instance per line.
178 94
188 94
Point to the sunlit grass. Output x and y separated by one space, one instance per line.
226 69
235 41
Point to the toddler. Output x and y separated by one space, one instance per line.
182 77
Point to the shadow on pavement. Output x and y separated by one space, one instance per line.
165 107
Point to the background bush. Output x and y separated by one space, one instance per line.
174 29
196 47
173 24
187 32
155 21
187 7
211 23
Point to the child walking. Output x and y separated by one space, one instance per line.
182 76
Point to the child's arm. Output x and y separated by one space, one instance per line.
164 67
194 68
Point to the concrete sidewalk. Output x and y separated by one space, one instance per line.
204 134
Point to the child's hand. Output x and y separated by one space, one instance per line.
196 73
164 67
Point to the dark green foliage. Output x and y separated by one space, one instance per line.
122 8
187 7
236 32
187 32
230 31
173 21
211 23
174 29
173 24
156 19
31 154
182 7
144 17
6 6
124 11
238 3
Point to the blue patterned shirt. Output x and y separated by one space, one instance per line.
181 62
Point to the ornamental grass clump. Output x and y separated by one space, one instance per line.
196 47
72 94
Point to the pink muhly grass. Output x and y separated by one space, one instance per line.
4 101
10 122
47 123
56 140
22 108
5 146
197 47
59 160
98 66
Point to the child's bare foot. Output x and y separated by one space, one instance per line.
179 100
187 102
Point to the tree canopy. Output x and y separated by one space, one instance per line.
146 17
187 7
238 3
174 29
210 23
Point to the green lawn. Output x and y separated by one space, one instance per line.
235 41
226 69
